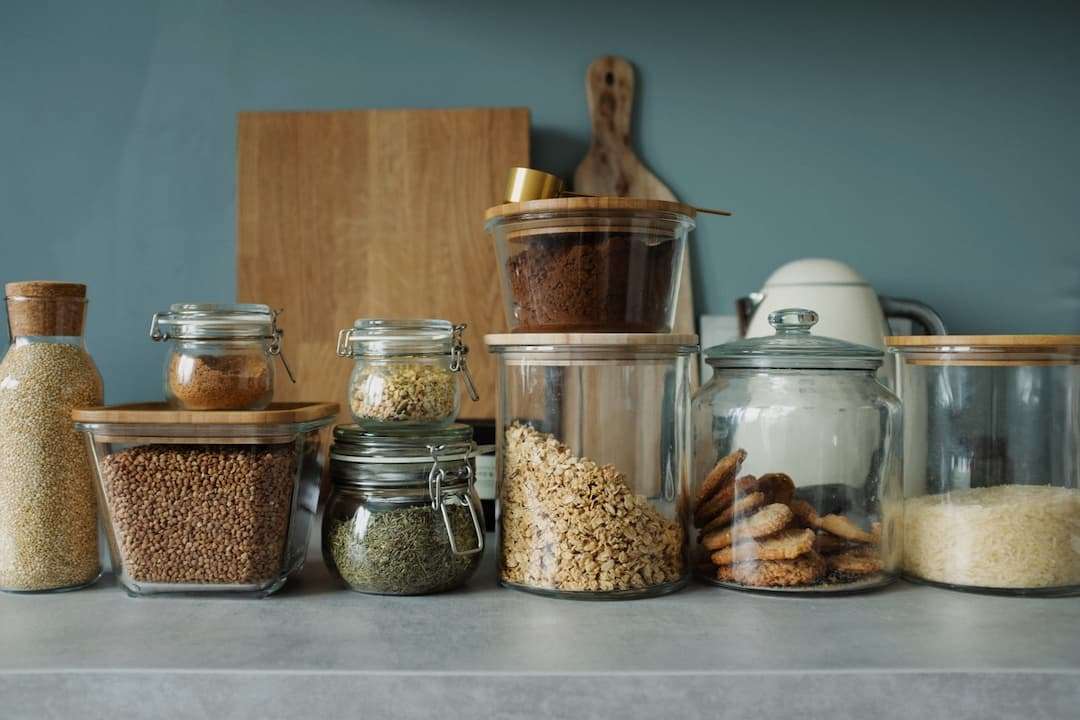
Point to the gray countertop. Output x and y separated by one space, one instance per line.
313 649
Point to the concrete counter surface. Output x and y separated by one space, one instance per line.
314 650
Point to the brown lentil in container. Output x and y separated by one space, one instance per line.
201 513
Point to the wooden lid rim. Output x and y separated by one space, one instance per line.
983 342
160 413
576 204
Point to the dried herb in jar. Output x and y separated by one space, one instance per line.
403 551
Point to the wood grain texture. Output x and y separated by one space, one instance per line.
611 167
278 413
373 213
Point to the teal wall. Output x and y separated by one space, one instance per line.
934 146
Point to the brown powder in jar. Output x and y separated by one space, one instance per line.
220 382
592 282
200 513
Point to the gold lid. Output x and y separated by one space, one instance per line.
528 184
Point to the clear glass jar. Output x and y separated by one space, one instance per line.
405 373
797 464
590 264
592 463
48 510
221 356
196 504
403 517
991 461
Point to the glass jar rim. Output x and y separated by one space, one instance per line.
353 444
215 321
377 337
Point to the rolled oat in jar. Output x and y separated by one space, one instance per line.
593 460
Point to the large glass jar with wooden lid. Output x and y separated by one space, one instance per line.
592 462
991 461
48 510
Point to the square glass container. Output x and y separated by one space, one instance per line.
991 461
590 264
211 501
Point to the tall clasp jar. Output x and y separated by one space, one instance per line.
797 464
991 461
403 517
221 357
48 512
405 373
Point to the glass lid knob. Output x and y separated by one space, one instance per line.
793 321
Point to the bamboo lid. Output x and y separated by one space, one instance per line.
45 308
988 350
570 205
570 341
161 414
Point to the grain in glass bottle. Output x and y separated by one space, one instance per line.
405 373
221 357
403 517
592 462
991 461
797 464
48 510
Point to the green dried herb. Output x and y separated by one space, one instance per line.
403 551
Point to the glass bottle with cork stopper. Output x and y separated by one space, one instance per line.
48 509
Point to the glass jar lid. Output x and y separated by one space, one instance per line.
211 321
369 337
793 347
397 447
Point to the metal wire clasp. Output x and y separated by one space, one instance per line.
436 476
458 351
275 342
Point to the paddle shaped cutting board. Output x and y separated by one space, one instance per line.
373 213
611 167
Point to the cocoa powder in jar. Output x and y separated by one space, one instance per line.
598 281
220 382
201 513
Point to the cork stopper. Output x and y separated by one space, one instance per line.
45 308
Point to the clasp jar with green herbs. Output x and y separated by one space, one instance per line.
403 517
406 372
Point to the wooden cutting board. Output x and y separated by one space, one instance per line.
611 167
373 213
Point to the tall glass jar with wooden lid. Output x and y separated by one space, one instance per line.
48 511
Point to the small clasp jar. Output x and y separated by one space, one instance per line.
221 357
403 517
405 371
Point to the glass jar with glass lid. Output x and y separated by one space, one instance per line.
797 464
403 517
221 357
405 373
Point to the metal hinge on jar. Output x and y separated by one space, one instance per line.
458 351
436 476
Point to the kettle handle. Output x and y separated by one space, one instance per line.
914 310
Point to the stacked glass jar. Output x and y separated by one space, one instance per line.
403 517
594 396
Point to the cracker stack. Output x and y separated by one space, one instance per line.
757 534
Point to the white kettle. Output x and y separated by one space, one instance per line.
848 307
